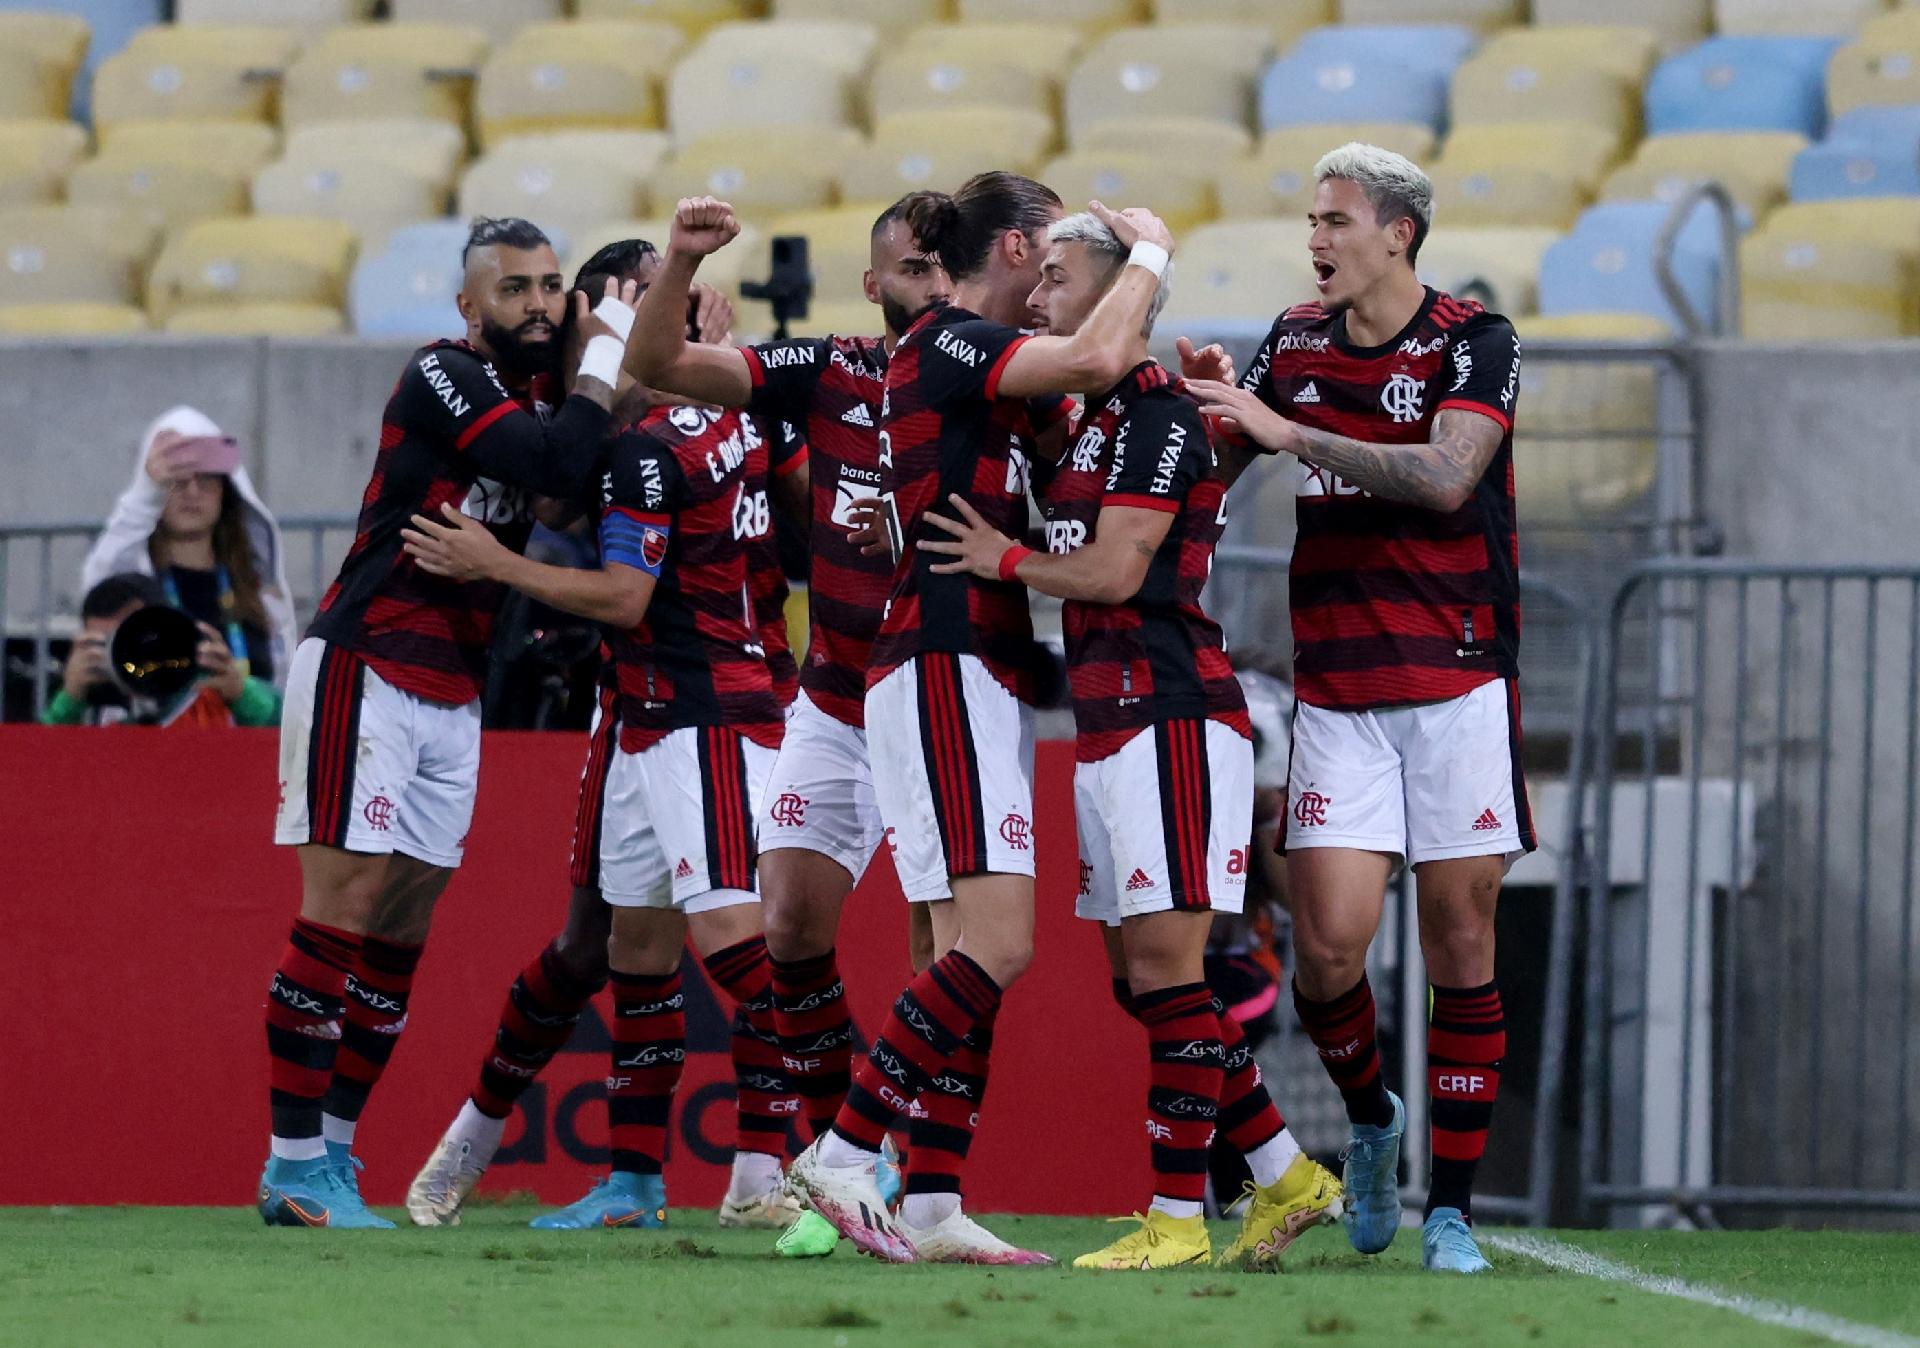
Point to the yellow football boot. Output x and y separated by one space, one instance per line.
1306 1196
1161 1242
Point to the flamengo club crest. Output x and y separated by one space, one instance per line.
789 810
1403 397
1310 810
1017 832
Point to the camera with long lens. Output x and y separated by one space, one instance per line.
152 658
789 288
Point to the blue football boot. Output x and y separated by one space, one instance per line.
346 1169
309 1193
886 1171
1447 1244
621 1199
1370 1174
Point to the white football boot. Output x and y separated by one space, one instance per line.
460 1158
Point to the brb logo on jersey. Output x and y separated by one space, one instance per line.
752 517
1403 397
1063 536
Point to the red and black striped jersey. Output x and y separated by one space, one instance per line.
451 433
831 388
945 429
1156 656
685 498
786 453
1393 603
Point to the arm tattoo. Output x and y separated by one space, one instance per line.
1144 548
1438 475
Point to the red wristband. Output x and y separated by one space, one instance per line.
1012 558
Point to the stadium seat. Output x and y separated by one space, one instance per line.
248 260
1437 48
555 186
111 24
1485 177
162 190
1304 91
500 18
1495 87
430 149
26 184
265 48
1878 124
1572 147
763 171
1741 84
372 195
1860 75
40 56
1109 84
1230 280
431 239
690 16
1278 179
726 88
1799 289
1675 23
1499 267
1048 50
71 320
236 147
257 318
134 85
407 292
1752 166
1284 20
1480 15
1243 47
636 152
1853 168
911 81
1607 263
917 151
1090 16
891 17
1593 328
36 154
385 70
1576 452
1799 18
1213 146
651 47
71 254
838 43
838 243
1893 30
59 38
746 256
1626 51
306 16
1180 192
522 91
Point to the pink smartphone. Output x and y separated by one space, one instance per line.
205 454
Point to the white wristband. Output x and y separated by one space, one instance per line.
616 316
1151 256
601 360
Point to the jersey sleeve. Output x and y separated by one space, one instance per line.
784 376
964 360
452 396
786 447
1159 453
639 494
1482 370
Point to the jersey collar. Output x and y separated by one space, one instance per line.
1346 348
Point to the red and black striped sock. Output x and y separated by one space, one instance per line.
765 1099
940 1133
1342 1029
543 1006
649 1052
303 1031
376 1000
1466 1043
1248 1117
816 1034
926 1026
1183 1094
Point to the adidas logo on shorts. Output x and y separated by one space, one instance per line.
1488 822
1138 881
683 870
857 415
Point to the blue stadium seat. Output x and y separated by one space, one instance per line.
113 22
1606 264
1849 167
429 239
1306 90
1435 47
1742 84
408 292
1883 126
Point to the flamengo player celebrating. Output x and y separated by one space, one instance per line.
948 722
380 741
1398 403
677 762
1164 785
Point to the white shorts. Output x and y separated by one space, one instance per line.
820 797
1424 783
952 754
372 768
676 825
1165 823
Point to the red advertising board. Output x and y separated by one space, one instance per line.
142 908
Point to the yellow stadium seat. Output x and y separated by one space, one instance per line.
40 149
1804 246
692 16
745 257
1090 16
204 84
1498 266
937 151
1244 47
1048 49
1178 192
1675 23
430 149
71 254
1213 146
1284 20
373 195
31 85
1895 30
762 171
261 47
253 259
1105 86
1584 151
255 318
1483 15
500 18
719 91
305 16
561 191
26 184
651 48
1825 18
235 148
1598 327
839 318
1579 446
1752 165
840 44
1628 52
838 247
1278 179
912 81
1237 275
385 70
1495 88
638 153
57 38
1496 192
1862 76
159 189
71 320
889 16
540 91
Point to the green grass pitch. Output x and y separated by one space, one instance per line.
216 1276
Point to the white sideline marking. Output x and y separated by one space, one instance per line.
1573 1259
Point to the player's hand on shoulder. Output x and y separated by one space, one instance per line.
1209 362
612 316
455 546
702 225
1135 224
975 546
